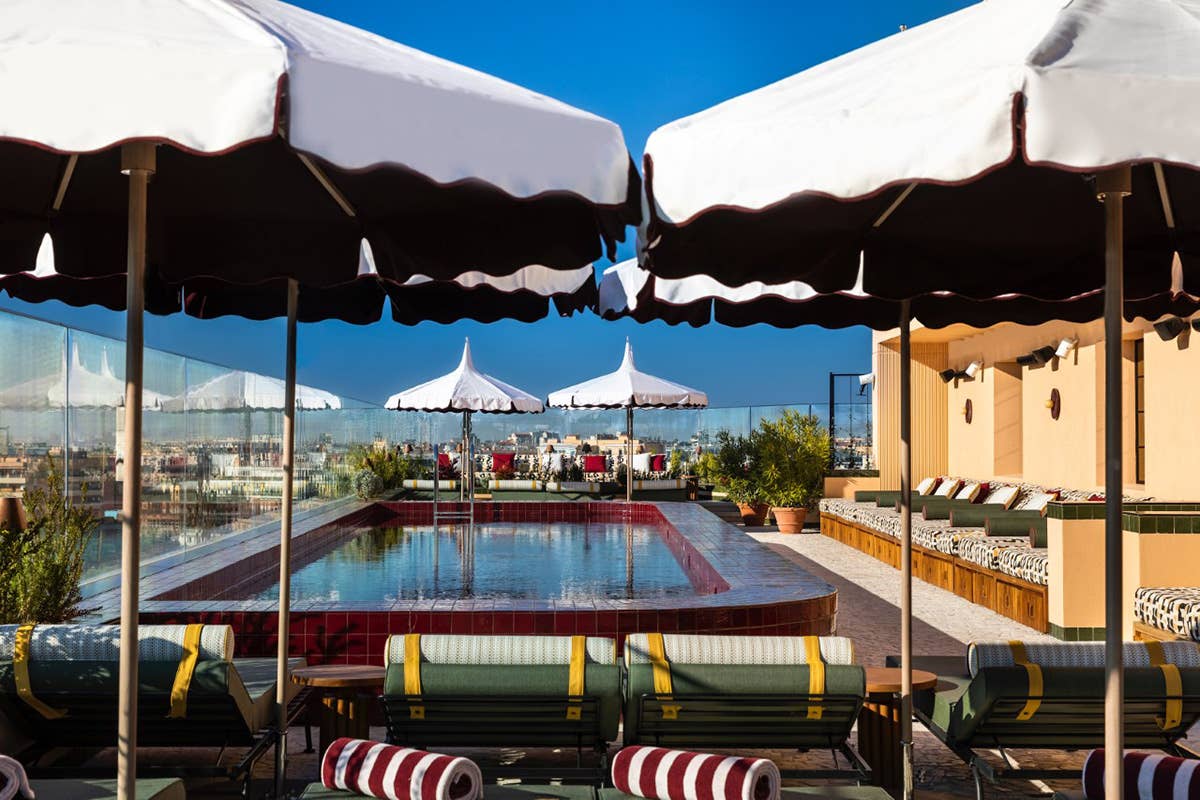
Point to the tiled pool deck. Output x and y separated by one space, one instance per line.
742 587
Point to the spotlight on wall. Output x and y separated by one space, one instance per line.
1027 359
948 375
865 380
1196 324
1043 354
1065 347
972 368
1170 328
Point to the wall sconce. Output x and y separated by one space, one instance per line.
948 375
865 380
1065 347
1196 324
968 411
1027 360
1043 354
1054 404
972 368
1170 328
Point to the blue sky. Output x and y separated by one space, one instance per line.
641 64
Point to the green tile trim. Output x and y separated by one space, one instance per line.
1064 510
1080 634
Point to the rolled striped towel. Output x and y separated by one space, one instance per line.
661 774
1148 776
12 779
382 770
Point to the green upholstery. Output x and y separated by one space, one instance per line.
722 716
886 499
1033 527
938 507
228 702
977 515
71 789
513 791
866 496
982 711
534 722
830 792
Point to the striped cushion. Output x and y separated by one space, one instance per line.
373 769
102 642
661 774
500 650
685 648
1077 654
1173 609
1156 776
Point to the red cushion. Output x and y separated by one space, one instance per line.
443 459
658 462
502 461
1153 778
594 464
1096 498
373 769
983 492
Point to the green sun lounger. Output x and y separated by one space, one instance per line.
106 789
59 687
505 691
697 692
993 700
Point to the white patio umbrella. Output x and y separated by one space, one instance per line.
278 140
237 390
1038 109
628 388
74 385
469 391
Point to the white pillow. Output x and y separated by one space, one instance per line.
1002 496
641 462
947 487
1038 501
968 492
926 486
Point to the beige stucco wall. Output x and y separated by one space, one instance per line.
1063 452
844 488
972 446
1075 589
1173 418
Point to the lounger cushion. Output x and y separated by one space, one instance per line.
106 789
1032 564
500 650
981 655
1173 609
683 648
102 643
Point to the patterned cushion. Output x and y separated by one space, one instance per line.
985 550
1036 501
926 487
1077 654
683 648
947 487
1170 609
500 650
1002 495
103 642
1031 565
968 492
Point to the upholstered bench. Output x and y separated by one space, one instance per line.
1029 564
699 692
986 550
501 691
1175 610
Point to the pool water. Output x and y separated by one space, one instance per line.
545 561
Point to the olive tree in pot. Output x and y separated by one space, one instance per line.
793 453
736 472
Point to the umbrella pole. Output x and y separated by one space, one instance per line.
629 455
1112 187
285 539
906 733
462 460
138 162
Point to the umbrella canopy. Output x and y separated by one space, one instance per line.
466 389
628 387
525 294
238 391
76 386
628 290
1026 101
290 137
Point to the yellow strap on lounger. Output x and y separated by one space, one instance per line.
1021 659
183 674
21 649
662 674
1173 682
575 676
412 674
816 673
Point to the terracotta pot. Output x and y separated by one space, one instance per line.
753 515
789 520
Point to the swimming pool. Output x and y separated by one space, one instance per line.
520 560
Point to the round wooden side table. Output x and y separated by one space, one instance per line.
345 709
879 723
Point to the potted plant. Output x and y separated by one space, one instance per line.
793 454
736 472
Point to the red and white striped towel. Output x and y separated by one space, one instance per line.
398 773
1147 777
661 774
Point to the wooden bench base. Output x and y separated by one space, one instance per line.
1148 633
1019 600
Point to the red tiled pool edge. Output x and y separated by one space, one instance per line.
749 590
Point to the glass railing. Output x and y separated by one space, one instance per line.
211 463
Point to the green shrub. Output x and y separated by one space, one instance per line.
40 567
368 484
675 464
793 453
736 469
